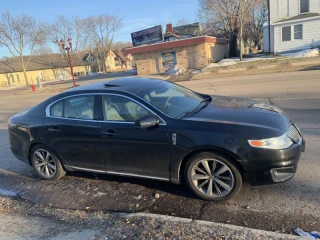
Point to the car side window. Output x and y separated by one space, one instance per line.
122 109
56 109
79 107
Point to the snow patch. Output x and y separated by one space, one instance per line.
175 70
232 61
304 53
93 73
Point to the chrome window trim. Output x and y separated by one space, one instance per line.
76 119
116 94
70 96
119 173
88 169
137 175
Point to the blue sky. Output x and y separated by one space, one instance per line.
136 14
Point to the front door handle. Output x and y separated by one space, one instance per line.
54 130
110 133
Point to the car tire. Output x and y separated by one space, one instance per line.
46 163
206 170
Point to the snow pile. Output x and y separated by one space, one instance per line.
304 53
175 70
232 61
196 71
92 73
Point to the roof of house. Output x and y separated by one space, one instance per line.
193 29
86 57
176 43
38 63
299 17
120 55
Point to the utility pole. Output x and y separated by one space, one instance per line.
241 27
269 27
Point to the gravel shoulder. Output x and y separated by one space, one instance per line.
24 220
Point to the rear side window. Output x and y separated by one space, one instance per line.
57 109
80 107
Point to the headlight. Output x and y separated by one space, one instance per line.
281 142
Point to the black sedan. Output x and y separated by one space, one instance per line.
158 130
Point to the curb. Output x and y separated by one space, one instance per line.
219 226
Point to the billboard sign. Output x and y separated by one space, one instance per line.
146 36
169 59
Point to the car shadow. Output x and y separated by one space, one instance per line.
167 187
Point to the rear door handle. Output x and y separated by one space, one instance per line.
110 133
54 130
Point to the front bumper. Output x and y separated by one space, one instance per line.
267 166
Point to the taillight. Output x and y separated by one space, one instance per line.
9 122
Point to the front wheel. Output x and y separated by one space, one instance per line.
213 177
46 163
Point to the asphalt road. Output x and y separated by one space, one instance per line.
277 207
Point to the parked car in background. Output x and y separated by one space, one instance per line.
158 130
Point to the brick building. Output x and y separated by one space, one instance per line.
190 53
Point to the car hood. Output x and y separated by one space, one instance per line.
242 112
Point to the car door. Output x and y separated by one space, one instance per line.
71 130
129 150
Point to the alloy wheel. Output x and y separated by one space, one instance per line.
212 178
44 163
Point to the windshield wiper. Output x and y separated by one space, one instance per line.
205 100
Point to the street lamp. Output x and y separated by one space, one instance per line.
69 59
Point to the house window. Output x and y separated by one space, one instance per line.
18 78
298 31
304 6
286 34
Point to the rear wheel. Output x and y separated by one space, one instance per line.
46 163
213 177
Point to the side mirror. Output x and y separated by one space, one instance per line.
146 122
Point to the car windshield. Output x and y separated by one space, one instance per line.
171 99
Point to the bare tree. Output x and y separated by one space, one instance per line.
99 31
43 50
44 53
219 15
182 22
259 17
227 16
20 34
121 45
246 18
64 28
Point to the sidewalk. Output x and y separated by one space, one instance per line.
20 220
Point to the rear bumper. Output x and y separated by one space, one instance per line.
268 166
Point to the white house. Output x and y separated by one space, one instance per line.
294 25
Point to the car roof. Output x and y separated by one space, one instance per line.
128 84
